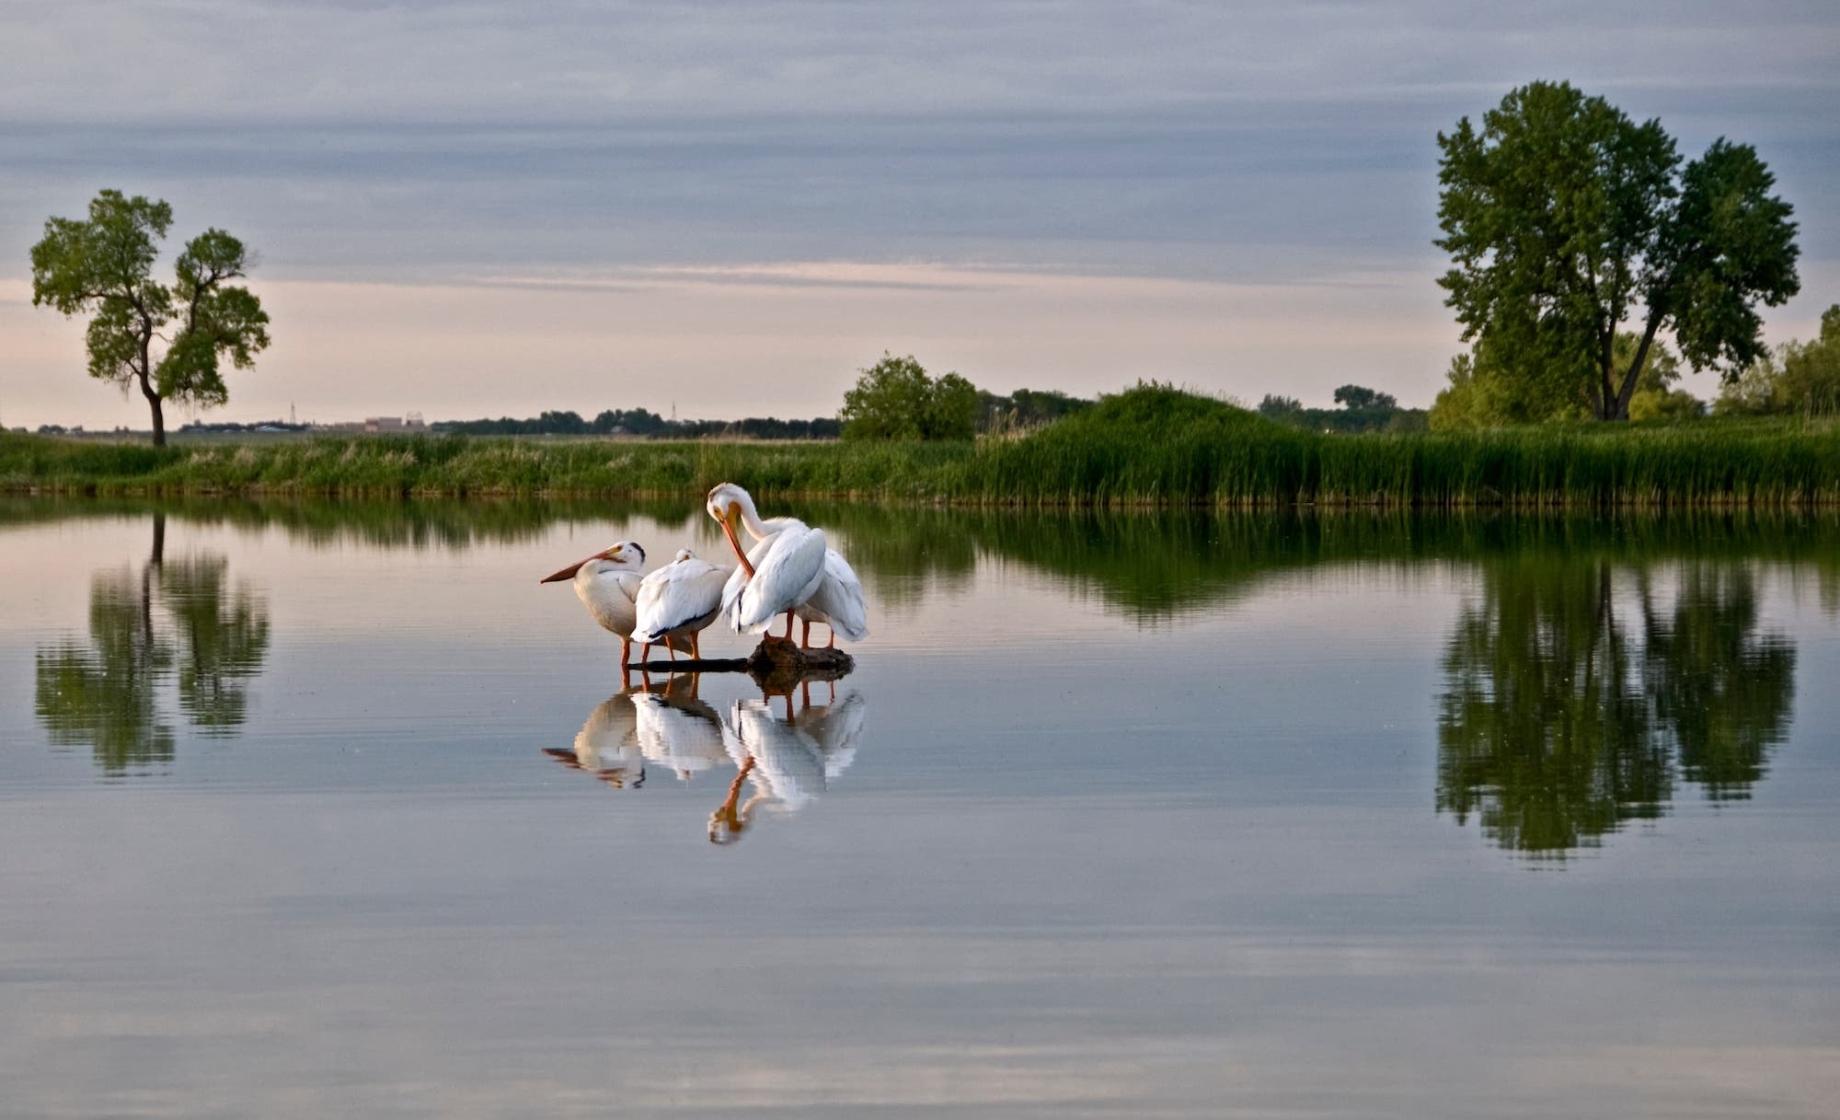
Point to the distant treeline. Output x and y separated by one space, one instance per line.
643 422
1362 410
227 427
1024 408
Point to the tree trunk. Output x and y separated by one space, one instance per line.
1621 411
159 416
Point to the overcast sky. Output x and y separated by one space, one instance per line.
468 208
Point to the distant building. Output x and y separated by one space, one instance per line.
384 424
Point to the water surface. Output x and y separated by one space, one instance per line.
312 810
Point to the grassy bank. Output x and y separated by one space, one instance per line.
1147 446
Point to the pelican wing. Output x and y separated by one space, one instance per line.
786 575
840 598
677 596
738 577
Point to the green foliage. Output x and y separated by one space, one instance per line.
1149 445
1363 410
952 409
895 400
1802 378
1275 407
103 265
1481 394
1358 397
1025 409
1561 215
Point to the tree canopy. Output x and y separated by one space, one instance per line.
896 399
1562 217
102 265
1801 377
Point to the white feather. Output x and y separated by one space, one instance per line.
838 602
786 574
678 599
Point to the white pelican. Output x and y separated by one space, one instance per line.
833 596
677 602
779 574
606 583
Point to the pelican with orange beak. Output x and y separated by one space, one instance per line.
607 583
778 575
790 568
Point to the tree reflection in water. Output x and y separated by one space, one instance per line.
1575 688
178 619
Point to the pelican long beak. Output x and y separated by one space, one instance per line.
729 517
566 573
569 572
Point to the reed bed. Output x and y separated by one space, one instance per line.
1151 446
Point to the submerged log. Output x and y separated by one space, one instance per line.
776 664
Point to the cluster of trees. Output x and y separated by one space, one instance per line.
897 399
1799 378
1025 409
1483 395
642 422
1562 217
1362 410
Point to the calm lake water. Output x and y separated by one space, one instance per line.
318 811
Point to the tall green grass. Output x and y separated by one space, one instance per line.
1150 446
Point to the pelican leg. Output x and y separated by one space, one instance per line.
789 626
805 635
671 648
696 645
832 631
625 651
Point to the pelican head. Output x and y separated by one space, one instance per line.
682 555
731 505
624 556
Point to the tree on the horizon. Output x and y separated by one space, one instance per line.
167 340
896 399
1360 396
1562 216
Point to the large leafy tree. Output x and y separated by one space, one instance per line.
168 340
1563 218
896 399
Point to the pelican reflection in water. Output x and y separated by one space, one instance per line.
607 745
781 763
789 762
676 729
